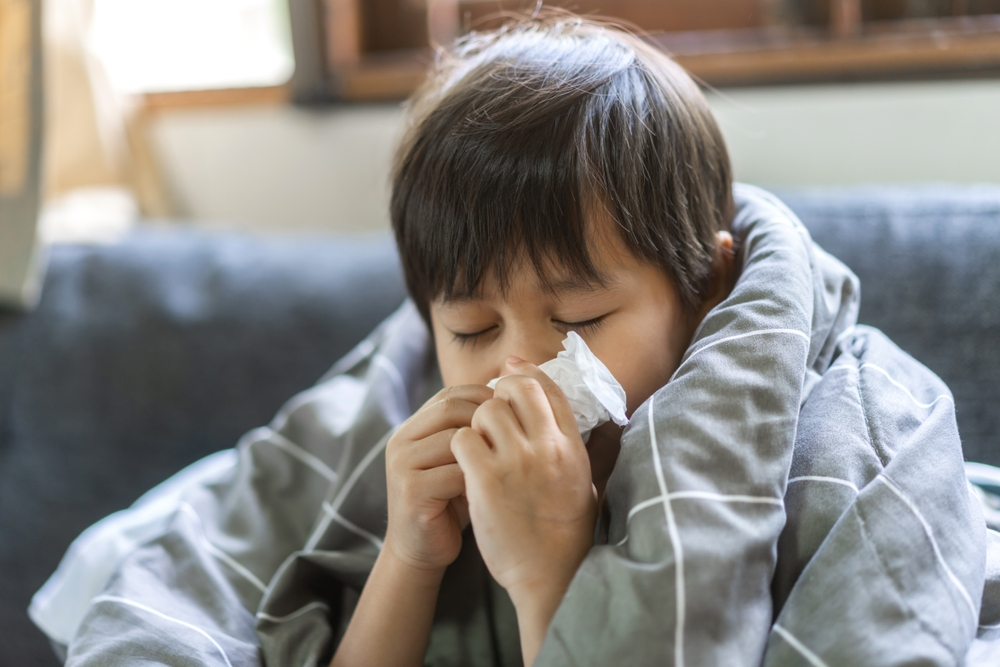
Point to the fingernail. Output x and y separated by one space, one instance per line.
512 360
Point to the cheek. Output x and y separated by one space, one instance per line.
643 358
645 370
460 367
448 364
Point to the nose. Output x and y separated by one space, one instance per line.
534 344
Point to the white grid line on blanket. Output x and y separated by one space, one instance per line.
699 495
907 391
296 402
934 545
133 603
675 542
264 616
220 554
891 379
331 511
703 495
281 442
801 648
387 365
363 350
275 579
342 495
304 397
727 498
821 478
353 527
761 332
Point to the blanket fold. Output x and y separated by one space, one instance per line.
794 496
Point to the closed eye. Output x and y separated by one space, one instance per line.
587 326
463 338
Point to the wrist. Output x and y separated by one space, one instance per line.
392 622
548 579
535 611
401 569
536 603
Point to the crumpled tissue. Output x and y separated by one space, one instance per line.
593 392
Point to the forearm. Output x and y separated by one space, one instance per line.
392 622
536 606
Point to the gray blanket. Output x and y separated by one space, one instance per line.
794 496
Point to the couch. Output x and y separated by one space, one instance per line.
151 353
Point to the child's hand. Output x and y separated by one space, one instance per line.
424 483
530 493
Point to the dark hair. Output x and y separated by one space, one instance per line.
521 133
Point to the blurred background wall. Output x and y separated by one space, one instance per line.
283 167
281 115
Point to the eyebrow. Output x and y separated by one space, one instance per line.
569 285
576 284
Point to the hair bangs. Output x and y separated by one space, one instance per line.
525 138
504 177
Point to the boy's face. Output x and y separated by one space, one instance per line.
635 323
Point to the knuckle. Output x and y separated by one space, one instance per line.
392 453
532 385
436 401
445 394
506 382
458 439
408 487
524 383
490 407
451 406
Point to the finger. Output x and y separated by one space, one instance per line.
444 482
557 399
460 508
495 420
530 403
474 393
431 452
471 451
453 408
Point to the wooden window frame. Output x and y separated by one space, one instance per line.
332 64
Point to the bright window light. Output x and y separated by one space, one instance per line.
170 45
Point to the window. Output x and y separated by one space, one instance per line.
173 45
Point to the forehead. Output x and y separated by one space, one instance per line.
597 263
614 267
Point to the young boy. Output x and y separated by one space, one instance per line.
555 176
790 489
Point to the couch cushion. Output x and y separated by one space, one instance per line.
929 262
147 355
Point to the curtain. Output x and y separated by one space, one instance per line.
77 185
21 125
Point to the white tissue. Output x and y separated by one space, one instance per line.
593 392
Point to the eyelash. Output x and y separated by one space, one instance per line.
463 338
588 326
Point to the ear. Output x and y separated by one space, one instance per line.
722 274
